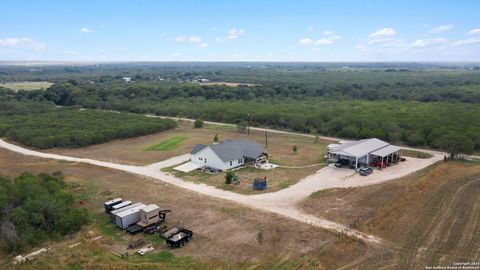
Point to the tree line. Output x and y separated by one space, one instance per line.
45 126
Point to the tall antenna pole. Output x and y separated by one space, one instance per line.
248 129
266 140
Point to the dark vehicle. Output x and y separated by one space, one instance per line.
182 237
342 163
365 171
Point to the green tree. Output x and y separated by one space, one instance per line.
415 139
455 143
215 139
295 149
229 177
198 123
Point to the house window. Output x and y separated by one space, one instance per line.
205 160
231 163
240 161
200 158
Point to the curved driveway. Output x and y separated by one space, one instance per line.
282 202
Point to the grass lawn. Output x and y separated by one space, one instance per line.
168 144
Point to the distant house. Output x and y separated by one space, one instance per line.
127 79
364 153
227 155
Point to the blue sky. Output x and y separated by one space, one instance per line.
240 30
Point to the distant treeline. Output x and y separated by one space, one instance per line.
421 105
35 208
44 126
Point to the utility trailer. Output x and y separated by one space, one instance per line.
179 239
109 205
149 228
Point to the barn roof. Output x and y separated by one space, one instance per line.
359 148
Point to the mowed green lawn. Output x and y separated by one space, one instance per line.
168 144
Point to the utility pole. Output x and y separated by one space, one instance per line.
248 128
266 140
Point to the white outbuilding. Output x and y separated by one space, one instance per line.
364 153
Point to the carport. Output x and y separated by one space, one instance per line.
387 155
360 153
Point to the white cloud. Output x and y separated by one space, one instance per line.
470 41
474 31
193 39
25 43
324 41
85 30
328 39
203 45
235 33
220 40
382 33
420 43
176 55
310 28
441 29
306 41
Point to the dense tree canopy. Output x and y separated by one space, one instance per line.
401 102
34 208
71 127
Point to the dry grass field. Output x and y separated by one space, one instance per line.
430 218
26 85
160 146
230 84
227 236
141 150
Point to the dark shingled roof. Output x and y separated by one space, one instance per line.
198 148
231 150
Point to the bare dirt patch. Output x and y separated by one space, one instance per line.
229 84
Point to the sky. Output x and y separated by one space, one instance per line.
147 30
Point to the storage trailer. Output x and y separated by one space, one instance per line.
108 205
115 212
128 217
121 205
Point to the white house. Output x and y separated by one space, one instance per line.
227 155
127 79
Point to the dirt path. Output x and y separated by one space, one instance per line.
282 202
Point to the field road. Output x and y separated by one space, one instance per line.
282 202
